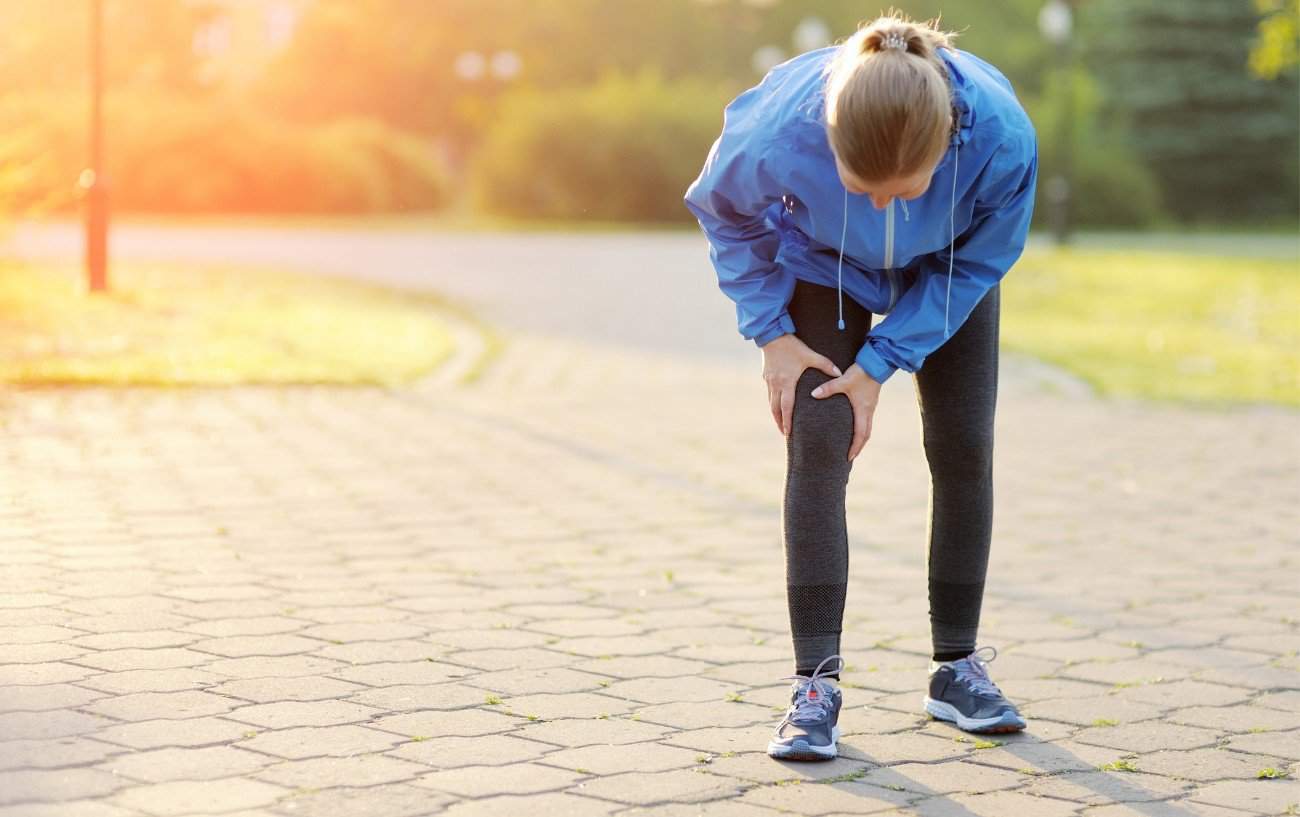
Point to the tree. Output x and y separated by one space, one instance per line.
1221 142
1279 30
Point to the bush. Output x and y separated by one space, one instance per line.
1110 186
625 148
168 154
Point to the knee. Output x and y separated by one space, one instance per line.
821 429
964 453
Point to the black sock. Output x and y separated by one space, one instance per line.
808 673
950 656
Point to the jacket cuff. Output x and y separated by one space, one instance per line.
784 325
873 364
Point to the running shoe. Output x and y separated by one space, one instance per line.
962 692
810 726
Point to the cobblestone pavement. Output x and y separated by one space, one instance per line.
560 591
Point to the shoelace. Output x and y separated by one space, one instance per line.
974 673
810 707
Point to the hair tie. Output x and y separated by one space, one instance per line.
893 40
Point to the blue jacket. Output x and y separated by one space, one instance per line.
771 203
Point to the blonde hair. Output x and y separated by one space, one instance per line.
889 111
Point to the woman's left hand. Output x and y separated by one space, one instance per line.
863 393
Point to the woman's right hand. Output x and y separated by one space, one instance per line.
784 362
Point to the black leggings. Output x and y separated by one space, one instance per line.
957 395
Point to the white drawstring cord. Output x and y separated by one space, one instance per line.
839 273
952 232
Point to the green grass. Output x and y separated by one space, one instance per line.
1160 326
189 325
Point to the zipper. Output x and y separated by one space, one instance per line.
889 254
889 235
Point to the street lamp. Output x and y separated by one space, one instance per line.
811 33
93 179
765 57
1055 22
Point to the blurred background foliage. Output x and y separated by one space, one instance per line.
605 109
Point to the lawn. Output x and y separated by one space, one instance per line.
1168 326
187 324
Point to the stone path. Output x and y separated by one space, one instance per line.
560 591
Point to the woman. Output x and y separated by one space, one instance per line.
799 198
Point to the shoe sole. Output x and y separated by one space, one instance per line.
800 749
1006 722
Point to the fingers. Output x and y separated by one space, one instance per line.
787 409
826 365
861 430
829 387
774 405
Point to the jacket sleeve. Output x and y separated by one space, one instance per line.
982 256
728 199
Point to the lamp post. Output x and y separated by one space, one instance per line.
93 179
1055 22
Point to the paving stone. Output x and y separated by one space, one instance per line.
302 713
51 673
318 741
147 680
437 723
644 788
162 732
697 715
1260 796
393 673
556 804
902 748
166 658
199 796
1101 787
85 808
53 752
454 752
655 691
546 679
44 725
625 757
286 666
1206 764
252 625
813 798
1245 718
1288 701
513 778
323 772
1279 744
1171 808
270 690
203 763
1149 736
55 785
394 800
715 808
993 804
142 706
1273 679
942 778
1087 711
1183 693
46 697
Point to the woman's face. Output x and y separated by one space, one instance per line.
903 187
